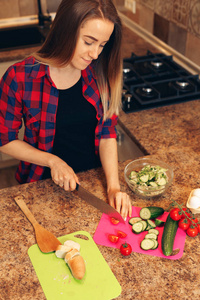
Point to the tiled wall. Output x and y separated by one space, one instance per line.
176 22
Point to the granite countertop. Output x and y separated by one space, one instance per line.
64 212
169 133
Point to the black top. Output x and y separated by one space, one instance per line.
75 131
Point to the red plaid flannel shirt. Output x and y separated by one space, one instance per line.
27 92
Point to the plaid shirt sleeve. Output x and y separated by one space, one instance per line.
105 129
27 93
10 108
109 130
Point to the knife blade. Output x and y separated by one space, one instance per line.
98 203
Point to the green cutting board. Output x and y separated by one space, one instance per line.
99 282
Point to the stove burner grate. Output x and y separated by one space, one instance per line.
157 64
184 86
146 92
156 80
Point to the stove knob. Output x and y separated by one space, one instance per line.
124 91
127 99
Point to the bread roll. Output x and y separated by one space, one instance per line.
62 250
77 267
72 244
70 252
76 263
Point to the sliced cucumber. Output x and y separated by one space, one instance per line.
148 227
137 227
144 178
159 223
151 212
152 183
134 220
133 175
162 181
147 244
150 224
144 223
153 230
155 245
150 177
151 236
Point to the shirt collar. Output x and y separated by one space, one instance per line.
88 74
38 69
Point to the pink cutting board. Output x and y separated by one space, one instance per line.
105 227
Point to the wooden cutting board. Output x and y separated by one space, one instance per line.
99 282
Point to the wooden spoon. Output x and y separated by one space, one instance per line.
46 241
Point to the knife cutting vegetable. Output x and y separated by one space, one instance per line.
98 203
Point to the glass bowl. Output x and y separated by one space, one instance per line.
142 189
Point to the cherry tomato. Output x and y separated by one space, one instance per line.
175 214
192 231
121 234
184 223
113 238
125 249
114 221
186 212
194 220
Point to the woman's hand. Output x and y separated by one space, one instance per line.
121 202
62 174
109 159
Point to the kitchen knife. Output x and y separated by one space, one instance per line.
98 203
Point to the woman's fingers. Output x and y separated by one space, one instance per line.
121 202
64 176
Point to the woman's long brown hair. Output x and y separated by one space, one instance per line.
59 46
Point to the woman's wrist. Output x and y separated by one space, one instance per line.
51 160
113 188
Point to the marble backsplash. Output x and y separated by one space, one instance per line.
175 22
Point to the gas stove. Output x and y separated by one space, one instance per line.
156 80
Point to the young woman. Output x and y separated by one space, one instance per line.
68 94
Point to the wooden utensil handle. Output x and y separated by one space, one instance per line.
20 202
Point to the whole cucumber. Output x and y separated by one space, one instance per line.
168 236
